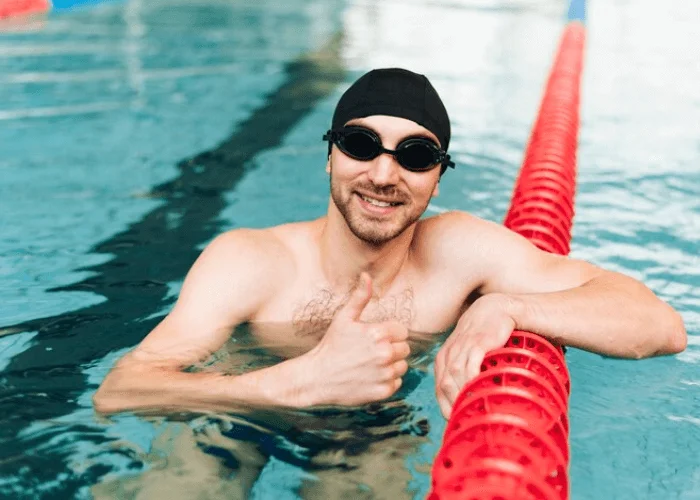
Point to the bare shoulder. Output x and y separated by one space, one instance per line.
463 245
449 220
498 259
229 282
237 272
454 234
261 243
254 253
266 254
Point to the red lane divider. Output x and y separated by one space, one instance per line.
22 7
507 437
556 377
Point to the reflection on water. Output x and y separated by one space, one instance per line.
351 449
321 426
259 345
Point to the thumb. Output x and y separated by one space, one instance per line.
359 298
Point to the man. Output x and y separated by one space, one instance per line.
354 284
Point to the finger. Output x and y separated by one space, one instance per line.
401 350
439 366
445 406
476 358
359 298
446 386
397 331
439 369
450 388
400 368
456 368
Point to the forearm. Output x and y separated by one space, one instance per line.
144 386
612 314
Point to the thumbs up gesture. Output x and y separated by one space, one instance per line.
357 362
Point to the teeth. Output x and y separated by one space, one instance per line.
376 203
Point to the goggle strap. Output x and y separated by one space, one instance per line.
447 162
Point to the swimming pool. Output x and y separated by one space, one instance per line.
132 133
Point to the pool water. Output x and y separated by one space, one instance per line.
131 133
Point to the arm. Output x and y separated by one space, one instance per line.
572 302
232 278
567 301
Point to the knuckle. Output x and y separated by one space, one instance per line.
363 329
376 333
445 386
448 352
439 393
455 368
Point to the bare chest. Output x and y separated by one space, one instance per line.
298 321
312 317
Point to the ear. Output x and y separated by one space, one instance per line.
328 165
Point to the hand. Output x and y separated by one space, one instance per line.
485 326
357 362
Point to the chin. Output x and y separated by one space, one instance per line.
376 235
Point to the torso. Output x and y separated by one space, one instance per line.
427 296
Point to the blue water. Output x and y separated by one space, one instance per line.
131 133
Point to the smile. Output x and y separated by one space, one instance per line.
377 208
379 203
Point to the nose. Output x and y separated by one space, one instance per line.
384 171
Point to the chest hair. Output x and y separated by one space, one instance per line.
313 318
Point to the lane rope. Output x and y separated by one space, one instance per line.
508 434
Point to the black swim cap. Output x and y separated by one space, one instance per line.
395 92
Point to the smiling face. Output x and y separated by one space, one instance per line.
379 199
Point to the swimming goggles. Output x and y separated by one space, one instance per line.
416 154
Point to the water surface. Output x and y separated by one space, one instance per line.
132 133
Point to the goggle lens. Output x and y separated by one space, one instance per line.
415 154
359 145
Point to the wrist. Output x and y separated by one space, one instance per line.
515 307
292 385
526 313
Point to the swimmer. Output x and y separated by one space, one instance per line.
353 284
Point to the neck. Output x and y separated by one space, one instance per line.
344 256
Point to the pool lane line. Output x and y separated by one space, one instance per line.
46 380
13 8
577 11
542 208
18 8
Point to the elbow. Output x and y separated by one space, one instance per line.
669 338
132 386
678 337
675 337
117 392
105 400
101 403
